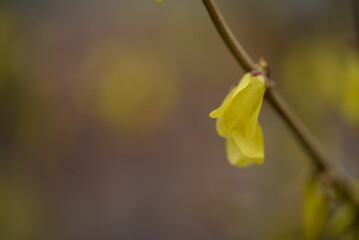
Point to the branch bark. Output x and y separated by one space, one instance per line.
355 7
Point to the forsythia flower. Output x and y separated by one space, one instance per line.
237 121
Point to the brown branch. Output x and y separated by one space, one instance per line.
318 155
319 158
355 6
230 40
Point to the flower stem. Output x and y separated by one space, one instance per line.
319 158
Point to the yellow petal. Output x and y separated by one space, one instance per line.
237 120
253 147
245 105
222 129
234 154
237 157
227 101
252 125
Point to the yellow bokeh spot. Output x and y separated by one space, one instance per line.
350 90
327 71
134 91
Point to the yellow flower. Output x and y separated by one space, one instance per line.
237 121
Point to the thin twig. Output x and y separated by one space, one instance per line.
319 158
230 40
355 6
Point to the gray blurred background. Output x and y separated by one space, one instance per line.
104 127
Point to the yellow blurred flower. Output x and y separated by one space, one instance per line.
119 83
237 121
350 89
316 208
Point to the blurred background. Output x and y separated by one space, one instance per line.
104 127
